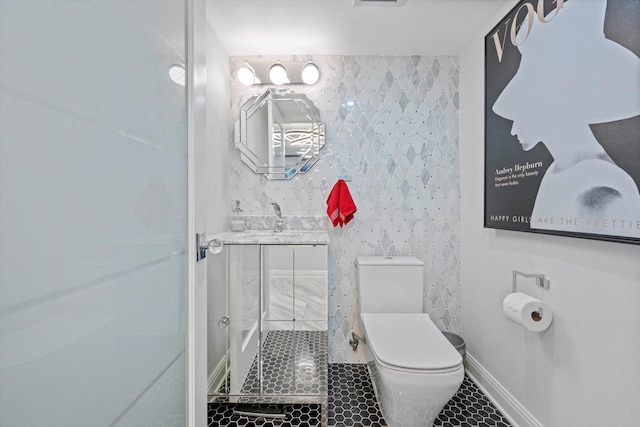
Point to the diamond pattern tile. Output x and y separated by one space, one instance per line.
392 125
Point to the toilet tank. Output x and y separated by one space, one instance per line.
390 284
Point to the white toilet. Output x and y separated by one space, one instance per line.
415 369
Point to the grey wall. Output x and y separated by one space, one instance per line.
392 124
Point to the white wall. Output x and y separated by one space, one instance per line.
200 176
214 165
582 371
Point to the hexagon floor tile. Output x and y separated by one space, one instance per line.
293 362
297 414
469 407
352 403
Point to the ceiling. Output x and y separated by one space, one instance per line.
336 27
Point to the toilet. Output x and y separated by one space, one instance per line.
414 368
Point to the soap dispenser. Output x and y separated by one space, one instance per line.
237 223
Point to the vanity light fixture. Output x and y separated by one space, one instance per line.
246 74
177 74
278 74
310 73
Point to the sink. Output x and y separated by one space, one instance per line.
270 237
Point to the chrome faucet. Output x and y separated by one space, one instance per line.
279 224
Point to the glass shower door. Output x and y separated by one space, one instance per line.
93 213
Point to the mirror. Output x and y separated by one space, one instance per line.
279 133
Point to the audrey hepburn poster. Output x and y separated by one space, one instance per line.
562 119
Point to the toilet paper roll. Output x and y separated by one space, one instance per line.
531 313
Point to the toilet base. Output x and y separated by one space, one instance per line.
409 399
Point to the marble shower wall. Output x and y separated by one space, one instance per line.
392 125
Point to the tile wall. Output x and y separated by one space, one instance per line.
392 125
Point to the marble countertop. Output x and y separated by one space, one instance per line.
269 237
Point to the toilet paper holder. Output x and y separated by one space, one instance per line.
541 281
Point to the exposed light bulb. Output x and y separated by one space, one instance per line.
310 73
177 74
278 74
246 75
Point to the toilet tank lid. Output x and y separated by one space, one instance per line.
388 260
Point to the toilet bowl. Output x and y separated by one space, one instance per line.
414 368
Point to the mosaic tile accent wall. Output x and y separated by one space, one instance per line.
392 125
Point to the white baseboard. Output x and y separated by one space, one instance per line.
510 407
218 374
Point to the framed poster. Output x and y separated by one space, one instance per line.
562 119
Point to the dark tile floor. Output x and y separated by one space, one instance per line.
294 362
297 414
352 402
469 407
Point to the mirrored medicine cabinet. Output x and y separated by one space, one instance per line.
279 133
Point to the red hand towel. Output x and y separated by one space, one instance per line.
347 206
340 205
333 203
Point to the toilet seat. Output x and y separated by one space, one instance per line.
409 342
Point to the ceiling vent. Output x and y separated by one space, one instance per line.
359 3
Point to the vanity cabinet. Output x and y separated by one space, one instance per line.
277 320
